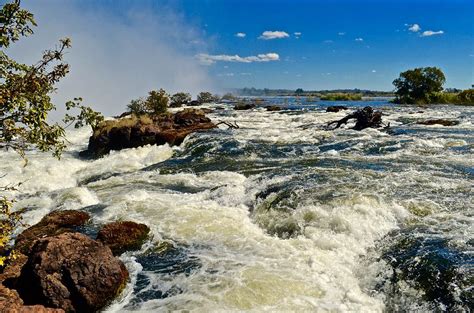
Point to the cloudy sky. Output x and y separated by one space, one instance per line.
123 48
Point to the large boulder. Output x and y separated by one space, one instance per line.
56 222
139 131
123 236
72 272
10 302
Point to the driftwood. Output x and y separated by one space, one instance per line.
365 118
229 124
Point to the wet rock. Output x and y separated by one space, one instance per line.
273 108
54 223
70 271
336 108
10 302
139 131
365 118
439 122
123 236
194 103
244 106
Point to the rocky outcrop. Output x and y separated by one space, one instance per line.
139 131
439 122
244 106
123 236
71 271
273 108
54 223
365 118
336 108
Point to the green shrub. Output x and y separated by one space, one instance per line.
466 97
180 98
206 97
418 85
157 101
341 97
137 107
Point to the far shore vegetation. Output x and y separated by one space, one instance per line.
424 85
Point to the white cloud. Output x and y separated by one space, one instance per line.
226 74
328 41
267 35
359 39
428 33
245 74
297 33
240 35
374 71
414 28
207 59
341 33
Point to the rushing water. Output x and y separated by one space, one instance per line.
282 215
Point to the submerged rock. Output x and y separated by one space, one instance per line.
70 271
244 106
54 223
272 108
123 236
336 108
139 131
439 122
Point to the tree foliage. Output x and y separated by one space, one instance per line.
180 98
25 104
155 103
206 97
417 85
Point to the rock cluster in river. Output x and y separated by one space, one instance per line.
135 131
59 269
439 122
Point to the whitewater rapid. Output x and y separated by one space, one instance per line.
280 215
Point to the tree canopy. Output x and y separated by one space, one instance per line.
417 85
25 103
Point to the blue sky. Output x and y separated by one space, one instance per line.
124 48
343 44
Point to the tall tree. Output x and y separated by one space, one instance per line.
416 86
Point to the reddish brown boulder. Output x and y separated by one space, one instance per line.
56 222
10 302
70 271
123 236
139 131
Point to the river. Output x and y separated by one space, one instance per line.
282 215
